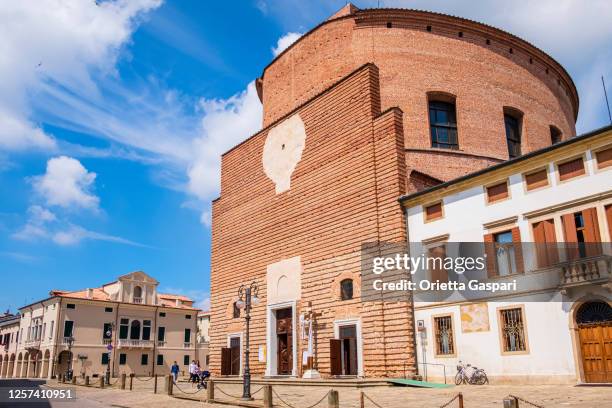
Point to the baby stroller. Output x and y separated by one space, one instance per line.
203 379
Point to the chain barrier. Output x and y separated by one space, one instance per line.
259 389
525 401
148 379
371 400
111 383
187 392
292 406
217 388
449 402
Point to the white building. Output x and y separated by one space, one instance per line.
559 330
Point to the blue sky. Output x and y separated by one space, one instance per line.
113 116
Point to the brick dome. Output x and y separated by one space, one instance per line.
422 57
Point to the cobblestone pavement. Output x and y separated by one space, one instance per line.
489 396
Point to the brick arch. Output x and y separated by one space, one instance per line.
441 96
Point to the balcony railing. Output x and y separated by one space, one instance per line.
128 343
187 345
106 342
137 300
586 270
66 340
161 343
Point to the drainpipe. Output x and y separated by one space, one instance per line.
154 334
57 331
414 331
114 338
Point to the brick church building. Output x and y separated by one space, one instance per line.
367 107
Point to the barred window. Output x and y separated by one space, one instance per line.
443 331
513 330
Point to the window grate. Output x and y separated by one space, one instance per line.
513 330
444 335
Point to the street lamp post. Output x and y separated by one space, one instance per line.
69 369
246 295
109 347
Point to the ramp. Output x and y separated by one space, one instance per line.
415 383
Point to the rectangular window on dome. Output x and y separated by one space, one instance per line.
536 180
443 125
433 211
571 169
513 135
604 158
497 192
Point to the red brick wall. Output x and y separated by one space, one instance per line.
343 193
484 78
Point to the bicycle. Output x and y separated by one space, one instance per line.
466 374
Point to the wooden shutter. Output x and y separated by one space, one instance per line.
497 192
440 274
604 158
570 169
433 211
489 246
592 237
536 180
571 238
335 358
226 361
518 250
609 218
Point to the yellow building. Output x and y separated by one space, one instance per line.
125 326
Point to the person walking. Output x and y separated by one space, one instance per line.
192 369
174 370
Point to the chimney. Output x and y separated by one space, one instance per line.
89 293
178 302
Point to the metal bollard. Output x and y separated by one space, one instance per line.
102 381
87 380
510 402
155 384
333 400
267 397
210 391
131 380
123 381
170 384
361 400
73 380
460 400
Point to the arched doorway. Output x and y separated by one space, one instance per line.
63 360
45 367
594 321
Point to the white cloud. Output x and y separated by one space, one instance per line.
74 234
42 224
284 42
60 42
67 184
225 123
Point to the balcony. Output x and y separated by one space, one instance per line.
584 271
135 344
137 300
161 343
187 345
67 340
106 342
32 344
